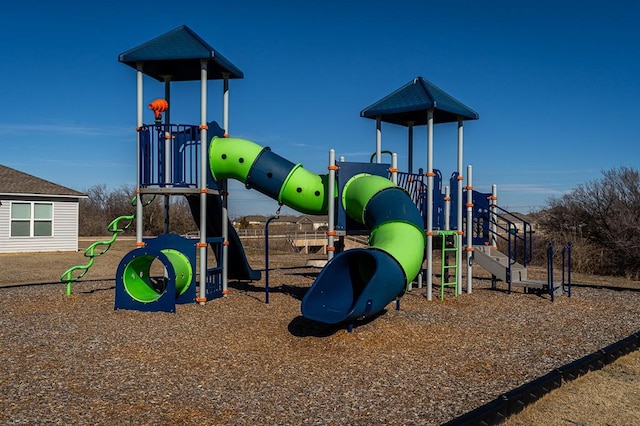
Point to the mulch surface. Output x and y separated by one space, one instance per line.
237 360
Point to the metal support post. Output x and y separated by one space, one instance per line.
469 230
430 175
139 217
203 183
331 205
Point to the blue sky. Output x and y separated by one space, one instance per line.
556 85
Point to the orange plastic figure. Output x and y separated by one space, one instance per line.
158 107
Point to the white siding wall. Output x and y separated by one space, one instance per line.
65 228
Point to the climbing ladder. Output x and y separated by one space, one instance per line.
449 268
75 273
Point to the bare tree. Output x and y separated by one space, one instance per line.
602 218
92 219
105 205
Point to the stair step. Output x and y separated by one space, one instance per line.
529 283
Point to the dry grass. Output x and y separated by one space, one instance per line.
239 361
610 396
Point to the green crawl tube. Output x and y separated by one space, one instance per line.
400 234
257 167
137 279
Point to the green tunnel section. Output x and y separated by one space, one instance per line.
305 191
232 158
259 168
394 221
404 242
143 287
359 190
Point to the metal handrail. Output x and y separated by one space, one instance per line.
527 230
511 229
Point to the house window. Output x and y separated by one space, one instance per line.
31 219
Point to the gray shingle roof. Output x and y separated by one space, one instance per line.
13 181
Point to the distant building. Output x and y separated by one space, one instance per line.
36 215
291 223
313 223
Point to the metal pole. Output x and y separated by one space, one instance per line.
394 168
410 149
550 270
378 140
266 256
167 151
469 229
225 194
430 175
459 201
139 123
225 103
202 245
569 247
447 208
331 205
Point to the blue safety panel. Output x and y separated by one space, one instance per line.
453 216
409 105
368 280
184 151
145 155
438 202
481 217
184 146
268 173
213 281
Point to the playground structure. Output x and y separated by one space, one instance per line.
399 211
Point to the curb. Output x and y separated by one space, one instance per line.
514 401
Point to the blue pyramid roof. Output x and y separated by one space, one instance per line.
409 104
178 54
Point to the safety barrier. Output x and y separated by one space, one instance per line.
516 400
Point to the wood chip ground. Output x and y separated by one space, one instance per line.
239 361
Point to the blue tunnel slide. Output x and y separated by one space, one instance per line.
356 283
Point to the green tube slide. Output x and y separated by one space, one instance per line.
400 235
356 283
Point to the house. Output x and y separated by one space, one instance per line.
36 215
288 223
313 223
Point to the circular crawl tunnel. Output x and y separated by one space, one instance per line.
148 274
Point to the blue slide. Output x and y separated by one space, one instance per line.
238 267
